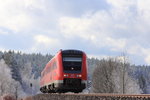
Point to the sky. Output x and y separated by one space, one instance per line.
101 28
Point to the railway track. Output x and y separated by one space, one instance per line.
91 96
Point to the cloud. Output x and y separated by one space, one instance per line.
3 32
44 40
102 28
143 6
95 27
146 53
17 15
147 59
134 50
139 54
122 27
122 3
44 43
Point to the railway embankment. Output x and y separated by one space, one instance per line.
89 97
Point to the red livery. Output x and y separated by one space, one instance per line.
65 72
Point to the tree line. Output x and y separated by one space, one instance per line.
19 70
113 75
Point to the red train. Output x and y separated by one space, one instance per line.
65 72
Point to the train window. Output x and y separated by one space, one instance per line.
50 77
55 66
52 66
49 68
72 64
42 75
74 59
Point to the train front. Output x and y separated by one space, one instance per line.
74 70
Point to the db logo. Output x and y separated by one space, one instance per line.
72 75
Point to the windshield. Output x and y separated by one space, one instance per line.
72 64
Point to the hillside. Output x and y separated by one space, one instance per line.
20 70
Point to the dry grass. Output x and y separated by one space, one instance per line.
20 99
28 98
8 97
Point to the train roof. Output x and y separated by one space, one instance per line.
72 51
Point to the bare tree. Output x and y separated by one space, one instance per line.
102 76
112 76
124 66
28 78
17 88
7 84
125 83
5 77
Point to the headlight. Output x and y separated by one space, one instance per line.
79 75
65 75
